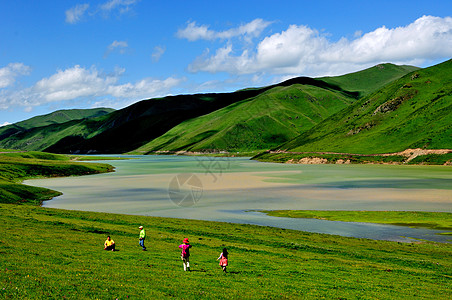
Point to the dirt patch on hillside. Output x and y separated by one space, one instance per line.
413 153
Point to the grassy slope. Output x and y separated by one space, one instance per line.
15 167
369 80
57 117
258 123
125 129
134 126
58 254
433 220
414 111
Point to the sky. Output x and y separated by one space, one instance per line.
112 53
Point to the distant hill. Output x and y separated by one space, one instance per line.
414 111
56 117
257 123
369 80
249 119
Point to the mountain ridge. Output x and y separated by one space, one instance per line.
276 114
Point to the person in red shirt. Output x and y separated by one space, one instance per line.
185 255
223 259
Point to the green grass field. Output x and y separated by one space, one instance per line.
48 253
282 157
414 111
18 166
433 220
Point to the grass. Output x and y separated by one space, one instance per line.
51 253
369 80
246 120
432 220
18 166
428 159
262 122
414 111
48 253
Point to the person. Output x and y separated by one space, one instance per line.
142 237
109 244
185 255
223 259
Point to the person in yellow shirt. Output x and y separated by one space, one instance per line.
109 244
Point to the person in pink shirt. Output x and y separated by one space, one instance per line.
223 259
185 255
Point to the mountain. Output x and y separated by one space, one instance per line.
123 130
275 116
249 119
257 123
414 111
56 117
369 80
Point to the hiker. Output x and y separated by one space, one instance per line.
223 259
109 244
185 255
142 237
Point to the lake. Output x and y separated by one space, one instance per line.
233 189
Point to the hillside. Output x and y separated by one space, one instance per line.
414 111
369 80
56 117
258 123
245 120
17 166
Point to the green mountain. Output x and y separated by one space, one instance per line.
414 111
257 123
276 116
126 129
249 119
369 80
56 117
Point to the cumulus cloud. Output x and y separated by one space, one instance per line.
86 84
194 32
75 14
9 73
303 50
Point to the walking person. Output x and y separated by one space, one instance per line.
185 255
223 259
142 237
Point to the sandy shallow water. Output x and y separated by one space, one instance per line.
232 189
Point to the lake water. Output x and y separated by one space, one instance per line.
232 189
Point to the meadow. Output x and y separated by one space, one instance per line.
49 253
432 220
55 253
16 166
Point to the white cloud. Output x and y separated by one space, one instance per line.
122 5
75 14
9 73
158 52
5 124
81 84
194 32
121 45
302 50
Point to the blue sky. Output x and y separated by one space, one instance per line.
112 53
